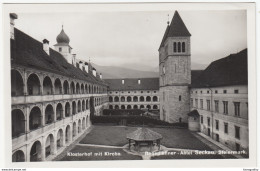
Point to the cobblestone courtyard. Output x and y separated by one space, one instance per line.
106 143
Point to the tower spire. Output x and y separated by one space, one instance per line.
168 22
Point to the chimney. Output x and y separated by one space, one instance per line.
139 81
46 47
13 16
81 65
94 72
86 67
101 76
74 60
123 81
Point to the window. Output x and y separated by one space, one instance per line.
174 47
141 91
208 121
225 104
191 102
163 69
179 46
110 92
217 124
154 91
196 92
236 91
237 108
226 128
216 91
237 132
207 92
201 119
128 91
216 106
196 103
201 103
116 92
122 92
148 91
225 91
60 49
200 92
208 104
179 98
183 46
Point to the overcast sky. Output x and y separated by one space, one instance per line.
116 38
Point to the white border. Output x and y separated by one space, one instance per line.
5 119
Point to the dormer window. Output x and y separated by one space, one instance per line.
60 49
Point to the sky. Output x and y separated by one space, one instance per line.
133 38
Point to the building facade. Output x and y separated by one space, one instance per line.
213 101
133 93
175 71
53 96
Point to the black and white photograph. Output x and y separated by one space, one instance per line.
134 83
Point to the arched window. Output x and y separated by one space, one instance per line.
116 99
116 107
183 46
141 99
122 106
16 83
110 99
49 114
122 99
179 46
174 47
47 86
110 107
179 98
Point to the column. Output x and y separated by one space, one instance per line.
43 115
43 149
54 111
54 152
27 119
27 154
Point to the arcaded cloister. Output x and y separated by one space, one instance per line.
50 111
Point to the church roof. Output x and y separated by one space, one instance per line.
132 84
231 70
28 52
177 28
143 134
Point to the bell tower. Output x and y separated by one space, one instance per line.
63 46
175 71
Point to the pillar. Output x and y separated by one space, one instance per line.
54 112
43 149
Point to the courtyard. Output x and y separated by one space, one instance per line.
108 143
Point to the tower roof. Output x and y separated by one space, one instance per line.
177 28
63 38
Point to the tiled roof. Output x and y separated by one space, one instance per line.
132 84
231 70
146 83
177 28
144 134
28 52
